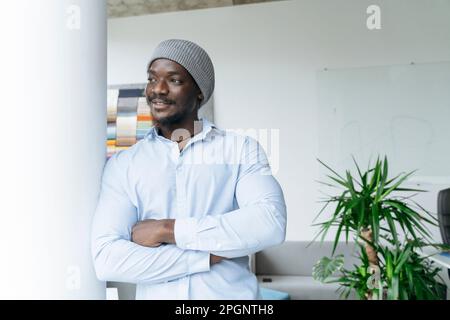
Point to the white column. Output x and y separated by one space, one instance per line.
52 131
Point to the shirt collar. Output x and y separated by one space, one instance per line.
207 129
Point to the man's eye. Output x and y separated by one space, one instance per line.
152 80
176 81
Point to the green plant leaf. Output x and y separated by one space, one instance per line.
375 223
369 200
392 228
363 177
341 182
402 259
399 182
336 239
389 265
326 267
337 174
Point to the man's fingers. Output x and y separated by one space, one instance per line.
215 259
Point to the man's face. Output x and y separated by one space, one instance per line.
171 92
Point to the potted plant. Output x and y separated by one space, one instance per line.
389 228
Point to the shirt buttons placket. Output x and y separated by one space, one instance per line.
181 192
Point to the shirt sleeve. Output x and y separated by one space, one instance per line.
115 256
260 221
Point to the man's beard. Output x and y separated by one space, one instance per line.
169 120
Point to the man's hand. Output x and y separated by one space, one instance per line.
153 233
213 259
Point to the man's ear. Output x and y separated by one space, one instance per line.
200 96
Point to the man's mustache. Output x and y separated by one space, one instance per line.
159 99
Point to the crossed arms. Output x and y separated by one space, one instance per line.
126 250
153 233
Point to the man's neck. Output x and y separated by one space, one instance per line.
181 131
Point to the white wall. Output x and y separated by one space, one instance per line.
266 57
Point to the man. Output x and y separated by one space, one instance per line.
181 210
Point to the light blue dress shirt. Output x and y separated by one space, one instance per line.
221 192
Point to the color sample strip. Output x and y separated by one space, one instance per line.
112 99
129 118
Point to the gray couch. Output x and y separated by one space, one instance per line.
288 268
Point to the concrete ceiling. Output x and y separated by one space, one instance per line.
127 8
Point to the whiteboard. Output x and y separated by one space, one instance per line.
401 111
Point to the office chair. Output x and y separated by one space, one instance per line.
443 209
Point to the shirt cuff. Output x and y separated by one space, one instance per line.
185 232
198 261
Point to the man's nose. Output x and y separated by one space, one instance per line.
161 87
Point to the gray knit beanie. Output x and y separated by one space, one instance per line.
193 58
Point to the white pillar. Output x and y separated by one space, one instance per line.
52 131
